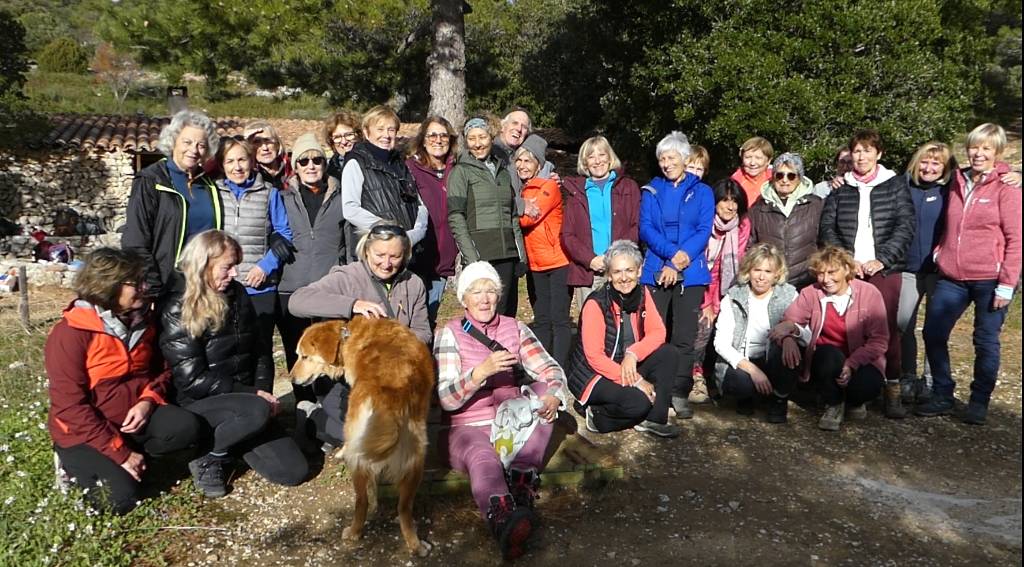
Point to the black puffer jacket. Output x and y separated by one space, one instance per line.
216 362
892 217
796 235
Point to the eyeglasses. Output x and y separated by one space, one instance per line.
318 160
440 136
346 137
388 230
787 175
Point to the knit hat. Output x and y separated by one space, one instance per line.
305 143
475 122
476 271
537 146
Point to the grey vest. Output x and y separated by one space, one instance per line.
248 221
783 295
320 246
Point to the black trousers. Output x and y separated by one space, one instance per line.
241 425
291 329
738 384
618 407
508 304
865 384
679 308
109 486
266 307
551 312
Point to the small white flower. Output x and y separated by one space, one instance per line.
71 527
9 459
8 501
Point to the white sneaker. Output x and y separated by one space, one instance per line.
591 426
857 412
832 418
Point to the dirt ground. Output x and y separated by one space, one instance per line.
732 490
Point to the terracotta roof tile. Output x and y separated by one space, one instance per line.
139 133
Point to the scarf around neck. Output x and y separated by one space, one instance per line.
723 249
627 302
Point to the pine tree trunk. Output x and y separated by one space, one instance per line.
447 62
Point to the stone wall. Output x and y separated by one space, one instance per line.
33 185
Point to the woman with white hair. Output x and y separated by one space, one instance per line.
209 339
491 368
271 158
677 211
173 200
622 369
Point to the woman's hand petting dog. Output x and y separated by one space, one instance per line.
369 309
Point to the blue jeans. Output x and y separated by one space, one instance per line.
435 289
945 306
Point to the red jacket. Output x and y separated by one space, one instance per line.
95 379
982 240
867 332
542 234
577 238
592 335
751 185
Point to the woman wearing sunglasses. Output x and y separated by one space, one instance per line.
376 184
376 286
787 216
312 200
872 216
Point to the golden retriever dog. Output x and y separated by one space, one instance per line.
391 374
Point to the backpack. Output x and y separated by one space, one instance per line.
65 222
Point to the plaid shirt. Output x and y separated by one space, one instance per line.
455 385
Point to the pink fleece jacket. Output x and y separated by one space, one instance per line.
867 332
982 240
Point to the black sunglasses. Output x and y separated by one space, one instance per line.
318 160
388 230
789 175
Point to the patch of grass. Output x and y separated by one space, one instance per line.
39 524
81 94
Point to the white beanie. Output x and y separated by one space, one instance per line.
476 271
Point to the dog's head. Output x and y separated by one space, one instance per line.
320 352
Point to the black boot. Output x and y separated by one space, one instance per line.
778 407
511 525
524 485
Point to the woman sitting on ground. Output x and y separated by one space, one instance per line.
209 338
379 285
108 384
749 363
622 369
842 322
485 359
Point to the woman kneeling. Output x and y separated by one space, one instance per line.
842 321
622 369
209 337
749 363
488 363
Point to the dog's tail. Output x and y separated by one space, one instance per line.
382 433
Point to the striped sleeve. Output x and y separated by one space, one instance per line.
540 366
455 386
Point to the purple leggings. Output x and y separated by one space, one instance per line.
470 451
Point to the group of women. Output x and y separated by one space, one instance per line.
784 287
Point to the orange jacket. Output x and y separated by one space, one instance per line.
543 234
95 378
752 185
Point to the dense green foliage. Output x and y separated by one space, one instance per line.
63 55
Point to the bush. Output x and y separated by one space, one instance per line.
64 55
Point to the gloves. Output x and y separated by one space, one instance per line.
282 248
520 269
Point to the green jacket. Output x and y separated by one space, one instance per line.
481 211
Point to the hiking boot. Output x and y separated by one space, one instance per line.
909 388
524 486
699 393
660 429
893 406
510 525
591 425
976 413
208 476
937 405
832 418
858 413
778 407
682 407
745 406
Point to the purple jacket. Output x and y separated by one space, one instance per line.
439 248
577 240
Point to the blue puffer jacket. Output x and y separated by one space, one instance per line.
929 210
674 218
